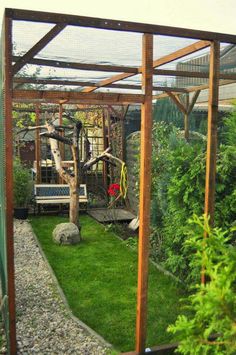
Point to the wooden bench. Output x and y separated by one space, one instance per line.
57 194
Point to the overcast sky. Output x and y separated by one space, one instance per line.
210 15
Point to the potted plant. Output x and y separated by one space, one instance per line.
22 189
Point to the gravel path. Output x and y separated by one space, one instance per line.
44 325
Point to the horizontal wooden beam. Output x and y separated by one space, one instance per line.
80 66
47 17
101 98
195 88
123 69
37 47
158 62
41 81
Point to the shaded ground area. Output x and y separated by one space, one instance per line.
43 323
99 278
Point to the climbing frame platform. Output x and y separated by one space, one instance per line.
111 215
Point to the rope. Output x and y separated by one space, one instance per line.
123 181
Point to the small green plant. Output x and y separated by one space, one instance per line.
22 184
211 327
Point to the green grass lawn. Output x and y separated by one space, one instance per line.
99 278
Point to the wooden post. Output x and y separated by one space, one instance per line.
37 146
61 145
212 129
7 73
186 119
145 188
211 136
104 167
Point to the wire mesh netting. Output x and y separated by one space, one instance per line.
3 232
79 45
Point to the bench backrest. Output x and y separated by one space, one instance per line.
57 191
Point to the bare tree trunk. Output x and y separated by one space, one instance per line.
72 181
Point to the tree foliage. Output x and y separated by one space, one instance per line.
178 185
211 327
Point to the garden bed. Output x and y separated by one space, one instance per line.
99 279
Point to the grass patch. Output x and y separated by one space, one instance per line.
99 278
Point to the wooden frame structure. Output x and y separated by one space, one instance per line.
88 96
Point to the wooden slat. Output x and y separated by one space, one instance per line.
145 189
81 96
123 69
212 130
38 47
161 61
8 129
47 17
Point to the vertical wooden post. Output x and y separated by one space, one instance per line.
212 135
186 119
61 145
37 146
104 167
7 28
212 129
145 189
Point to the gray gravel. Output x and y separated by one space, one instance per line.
44 325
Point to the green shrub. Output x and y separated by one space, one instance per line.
211 327
22 184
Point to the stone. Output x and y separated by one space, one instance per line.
66 233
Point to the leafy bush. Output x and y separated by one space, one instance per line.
211 328
178 189
22 184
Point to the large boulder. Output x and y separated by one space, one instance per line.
66 233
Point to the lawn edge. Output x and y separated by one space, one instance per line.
63 297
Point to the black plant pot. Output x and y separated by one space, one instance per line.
21 212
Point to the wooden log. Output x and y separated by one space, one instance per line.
145 189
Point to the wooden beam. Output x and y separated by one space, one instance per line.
99 98
80 66
177 101
123 69
8 190
37 146
38 47
40 81
180 53
194 88
145 190
186 118
193 101
192 74
47 17
158 62
212 130
61 145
